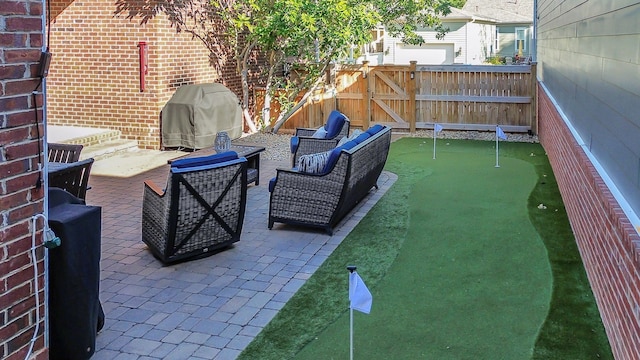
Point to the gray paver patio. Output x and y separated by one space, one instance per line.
209 308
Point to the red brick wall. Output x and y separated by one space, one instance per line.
608 243
94 76
21 39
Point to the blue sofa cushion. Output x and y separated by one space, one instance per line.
374 129
204 160
362 137
335 154
335 122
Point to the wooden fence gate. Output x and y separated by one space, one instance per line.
458 97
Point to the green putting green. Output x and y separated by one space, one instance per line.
456 257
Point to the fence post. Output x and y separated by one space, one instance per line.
366 103
534 98
411 92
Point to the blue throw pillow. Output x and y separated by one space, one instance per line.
335 122
375 129
312 163
335 154
204 160
321 133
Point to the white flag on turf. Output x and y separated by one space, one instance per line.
500 133
359 295
437 127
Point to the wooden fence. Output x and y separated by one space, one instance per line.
458 97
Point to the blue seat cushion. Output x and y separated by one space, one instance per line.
335 154
295 141
374 129
272 184
335 122
204 160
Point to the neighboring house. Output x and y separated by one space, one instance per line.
95 76
469 41
481 29
588 105
514 24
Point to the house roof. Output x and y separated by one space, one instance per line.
459 14
502 11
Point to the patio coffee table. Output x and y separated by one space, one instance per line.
250 152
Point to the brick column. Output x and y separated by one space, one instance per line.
21 40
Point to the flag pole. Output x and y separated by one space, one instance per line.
436 129
497 164
351 269
434 140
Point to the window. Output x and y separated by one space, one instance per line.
521 37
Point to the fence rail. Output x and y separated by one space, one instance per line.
469 97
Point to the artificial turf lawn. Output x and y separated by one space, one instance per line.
461 262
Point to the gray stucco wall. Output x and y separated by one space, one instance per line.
589 59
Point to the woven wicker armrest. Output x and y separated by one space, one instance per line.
309 145
308 199
305 131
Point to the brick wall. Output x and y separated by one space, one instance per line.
21 39
94 76
608 243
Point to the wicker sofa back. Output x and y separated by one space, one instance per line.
322 200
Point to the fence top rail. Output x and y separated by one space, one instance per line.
522 68
476 68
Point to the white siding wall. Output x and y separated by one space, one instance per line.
471 45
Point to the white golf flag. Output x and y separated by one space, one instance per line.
359 295
500 133
437 127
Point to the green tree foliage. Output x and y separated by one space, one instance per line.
456 3
307 35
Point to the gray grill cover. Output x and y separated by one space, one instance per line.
195 113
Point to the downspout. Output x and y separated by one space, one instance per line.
534 38
466 42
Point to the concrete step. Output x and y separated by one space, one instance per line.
107 149
98 143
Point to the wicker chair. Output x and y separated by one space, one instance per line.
73 178
201 211
304 143
64 153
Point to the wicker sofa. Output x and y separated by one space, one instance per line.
322 199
